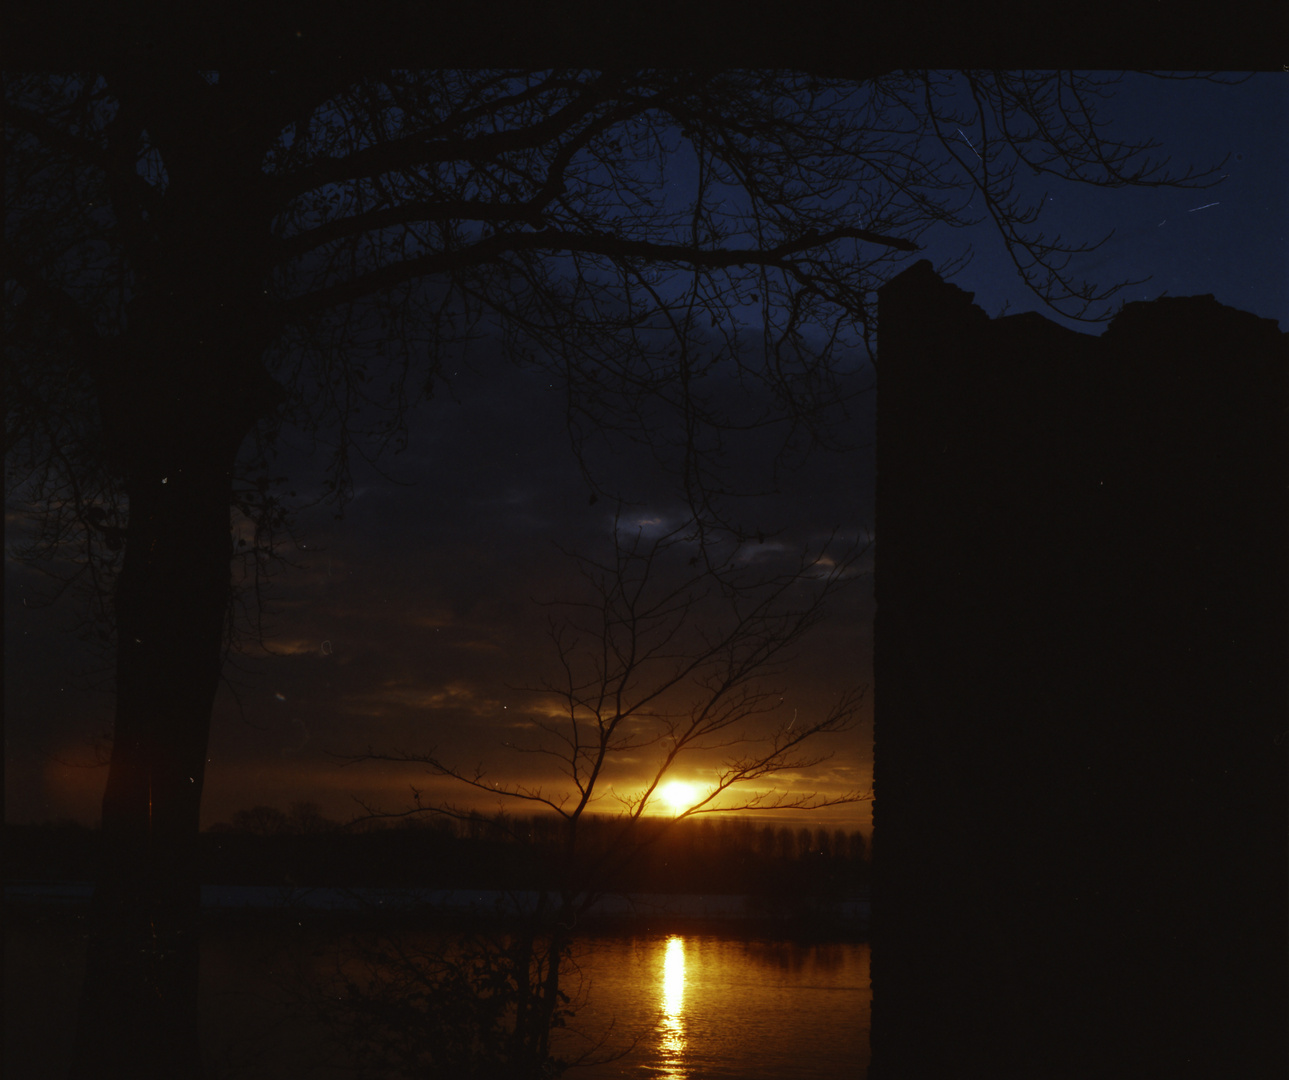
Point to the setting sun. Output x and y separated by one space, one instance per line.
678 795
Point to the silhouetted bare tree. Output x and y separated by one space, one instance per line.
197 257
673 656
670 657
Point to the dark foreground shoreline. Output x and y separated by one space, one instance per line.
742 916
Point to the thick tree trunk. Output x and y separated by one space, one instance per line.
178 442
179 389
139 1007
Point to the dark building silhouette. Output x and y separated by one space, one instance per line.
1080 827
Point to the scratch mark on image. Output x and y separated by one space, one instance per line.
969 143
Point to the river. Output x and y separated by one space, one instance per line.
696 1006
719 1007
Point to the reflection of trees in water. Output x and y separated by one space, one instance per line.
473 1004
628 995
792 956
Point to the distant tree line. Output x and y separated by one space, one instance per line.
303 819
729 834
264 845
723 854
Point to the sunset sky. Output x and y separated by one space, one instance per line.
409 623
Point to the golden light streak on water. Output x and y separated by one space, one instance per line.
672 1046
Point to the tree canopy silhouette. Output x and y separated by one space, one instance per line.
195 258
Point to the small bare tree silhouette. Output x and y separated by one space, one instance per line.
677 651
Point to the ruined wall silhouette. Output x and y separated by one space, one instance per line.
1080 691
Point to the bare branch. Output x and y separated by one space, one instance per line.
662 662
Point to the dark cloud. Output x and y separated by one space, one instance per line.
414 620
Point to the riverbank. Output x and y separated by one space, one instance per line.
747 914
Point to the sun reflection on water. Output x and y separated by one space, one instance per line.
672 1046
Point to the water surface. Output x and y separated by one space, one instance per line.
696 1006
705 1006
